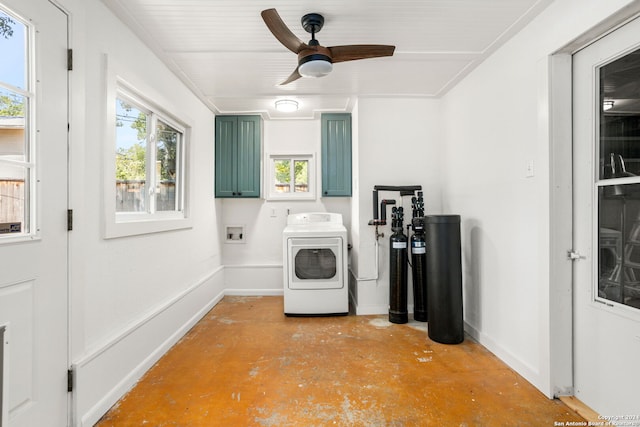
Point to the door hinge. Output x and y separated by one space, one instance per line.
574 255
69 380
69 59
69 219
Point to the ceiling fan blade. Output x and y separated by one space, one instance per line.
360 51
278 28
293 77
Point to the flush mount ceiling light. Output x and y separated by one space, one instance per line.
286 105
607 105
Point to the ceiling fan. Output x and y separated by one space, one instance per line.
315 60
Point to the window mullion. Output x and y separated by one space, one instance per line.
179 190
151 163
292 176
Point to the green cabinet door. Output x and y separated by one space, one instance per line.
226 147
237 156
336 155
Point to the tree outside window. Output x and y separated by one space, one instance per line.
147 160
290 177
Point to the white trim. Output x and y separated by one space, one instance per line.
253 292
102 406
94 394
375 309
527 371
117 81
91 369
252 266
134 326
253 279
560 292
4 377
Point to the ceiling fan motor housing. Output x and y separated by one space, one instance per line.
312 22
314 53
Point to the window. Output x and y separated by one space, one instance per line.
291 177
618 185
145 171
148 160
17 167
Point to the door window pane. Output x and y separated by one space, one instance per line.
620 117
13 51
16 163
619 244
13 135
619 204
14 195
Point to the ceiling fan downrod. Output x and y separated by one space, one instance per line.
312 23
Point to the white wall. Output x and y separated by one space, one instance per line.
256 265
497 121
399 143
132 297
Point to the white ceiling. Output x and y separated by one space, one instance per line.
224 52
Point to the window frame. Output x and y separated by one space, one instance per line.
270 192
31 213
153 117
122 224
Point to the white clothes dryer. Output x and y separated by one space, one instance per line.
315 265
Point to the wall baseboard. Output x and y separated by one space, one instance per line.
522 368
255 277
362 310
584 411
106 374
253 292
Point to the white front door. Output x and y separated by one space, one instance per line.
606 165
33 213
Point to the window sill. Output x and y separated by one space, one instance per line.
7 239
145 224
291 198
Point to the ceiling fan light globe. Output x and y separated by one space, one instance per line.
315 68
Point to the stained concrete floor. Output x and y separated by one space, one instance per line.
246 364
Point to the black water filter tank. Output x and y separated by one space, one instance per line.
419 270
444 279
398 270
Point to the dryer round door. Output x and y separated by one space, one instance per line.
315 263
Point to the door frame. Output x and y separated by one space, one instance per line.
71 386
558 100
42 67
70 372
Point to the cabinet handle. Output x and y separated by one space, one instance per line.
239 193
326 192
233 194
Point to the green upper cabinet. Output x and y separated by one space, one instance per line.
238 156
336 155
